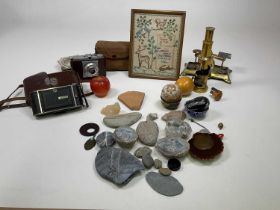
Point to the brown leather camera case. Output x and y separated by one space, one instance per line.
43 80
116 54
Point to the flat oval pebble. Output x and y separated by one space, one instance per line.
147 132
122 120
125 136
105 139
178 128
157 163
165 185
141 151
172 147
165 171
148 161
117 165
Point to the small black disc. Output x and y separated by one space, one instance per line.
90 144
84 129
174 164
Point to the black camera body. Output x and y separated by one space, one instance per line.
89 65
57 99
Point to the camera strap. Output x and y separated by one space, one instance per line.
9 99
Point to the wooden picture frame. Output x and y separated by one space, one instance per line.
156 41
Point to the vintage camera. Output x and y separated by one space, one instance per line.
89 65
57 99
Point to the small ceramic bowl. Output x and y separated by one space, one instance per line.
197 107
205 146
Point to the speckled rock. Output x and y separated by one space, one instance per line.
147 132
117 165
122 120
165 185
157 163
165 171
141 151
173 147
125 136
148 161
174 115
178 128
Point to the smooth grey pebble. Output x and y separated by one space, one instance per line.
148 161
157 163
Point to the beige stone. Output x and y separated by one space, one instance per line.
132 99
111 110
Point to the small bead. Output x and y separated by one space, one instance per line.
220 126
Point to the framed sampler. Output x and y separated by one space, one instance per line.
156 39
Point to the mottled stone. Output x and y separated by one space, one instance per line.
171 93
125 136
172 147
141 151
178 128
122 120
111 110
117 165
165 185
105 139
147 132
174 115
148 161
165 171
157 163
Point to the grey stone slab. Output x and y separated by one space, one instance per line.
117 165
165 185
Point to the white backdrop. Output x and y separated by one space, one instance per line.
43 163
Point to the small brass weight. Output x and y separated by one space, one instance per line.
204 67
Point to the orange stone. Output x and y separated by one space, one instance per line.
132 99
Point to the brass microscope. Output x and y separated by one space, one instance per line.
204 66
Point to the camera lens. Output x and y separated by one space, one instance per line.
91 68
